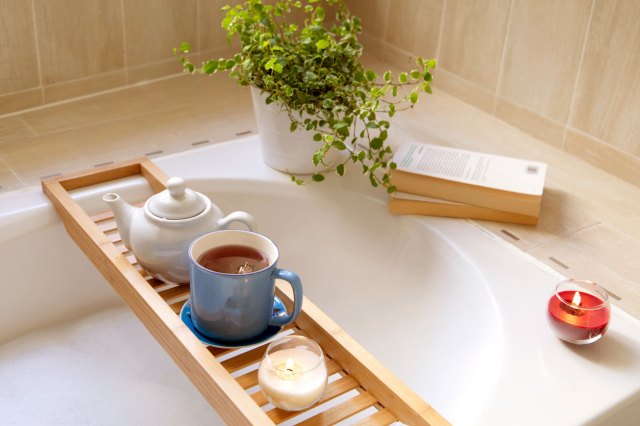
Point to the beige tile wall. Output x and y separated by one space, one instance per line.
19 73
567 72
53 50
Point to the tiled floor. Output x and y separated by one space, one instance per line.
589 225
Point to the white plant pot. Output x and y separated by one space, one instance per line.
283 150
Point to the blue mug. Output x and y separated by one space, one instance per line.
232 307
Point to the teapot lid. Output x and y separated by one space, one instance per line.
177 201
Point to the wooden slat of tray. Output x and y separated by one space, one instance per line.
210 369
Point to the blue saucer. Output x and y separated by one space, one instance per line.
272 330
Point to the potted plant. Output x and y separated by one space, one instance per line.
312 71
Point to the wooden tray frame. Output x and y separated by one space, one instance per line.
156 304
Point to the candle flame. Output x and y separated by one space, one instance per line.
289 364
576 299
288 370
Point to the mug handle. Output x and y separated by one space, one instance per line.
293 280
238 216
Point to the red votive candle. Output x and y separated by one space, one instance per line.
578 312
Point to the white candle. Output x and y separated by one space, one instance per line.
293 379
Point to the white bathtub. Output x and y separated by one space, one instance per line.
454 312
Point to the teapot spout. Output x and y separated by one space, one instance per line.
123 213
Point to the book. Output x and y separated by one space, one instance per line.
485 180
403 203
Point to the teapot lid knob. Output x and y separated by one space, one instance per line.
176 187
177 202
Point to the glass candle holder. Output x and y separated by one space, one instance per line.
293 373
579 311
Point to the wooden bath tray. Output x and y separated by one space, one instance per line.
362 383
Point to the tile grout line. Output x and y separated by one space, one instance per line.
563 237
474 85
385 29
441 29
13 172
503 59
37 46
124 44
567 124
93 95
199 37
584 228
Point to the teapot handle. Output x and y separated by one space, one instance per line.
238 216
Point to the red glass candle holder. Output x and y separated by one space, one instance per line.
579 311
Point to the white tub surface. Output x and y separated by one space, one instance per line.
454 312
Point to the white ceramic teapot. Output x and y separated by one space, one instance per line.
159 234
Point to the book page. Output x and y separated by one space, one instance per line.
492 171
413 197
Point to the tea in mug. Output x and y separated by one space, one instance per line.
234 259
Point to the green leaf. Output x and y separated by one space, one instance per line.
413 97
339 145
370 75
391 189
293 126
210 67
317 177
184 47
415 74
317 137
270 63
426 87
376 143
372 125
340 169
403 77
318 156
322 44
387 76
